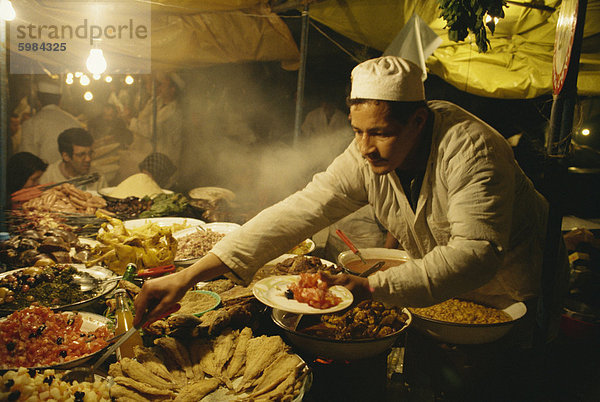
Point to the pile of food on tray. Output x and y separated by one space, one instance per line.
367 320
463 312
42 247
66 198
234 365
197 243
50 286
312 290
148 246
37 336
47 385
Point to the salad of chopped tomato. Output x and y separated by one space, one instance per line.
36 336
311 289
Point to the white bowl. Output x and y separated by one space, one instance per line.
468 333
372 255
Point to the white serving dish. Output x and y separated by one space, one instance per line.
465 334
372 253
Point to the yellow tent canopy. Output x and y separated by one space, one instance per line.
518 65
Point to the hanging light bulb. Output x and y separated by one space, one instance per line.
7 12
108 79
129 80
84 80
95 63
88 96
69 79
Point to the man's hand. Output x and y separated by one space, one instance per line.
357 285
158 296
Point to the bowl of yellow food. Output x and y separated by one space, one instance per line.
466 322
303 248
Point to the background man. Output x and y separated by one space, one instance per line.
75 147
39 133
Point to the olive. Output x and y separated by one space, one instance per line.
48 277
29 298
25 288
31 280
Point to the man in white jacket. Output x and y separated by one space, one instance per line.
40 133
442 182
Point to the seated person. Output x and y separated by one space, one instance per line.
75 147
23 170
160 168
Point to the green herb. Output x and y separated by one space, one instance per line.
464 16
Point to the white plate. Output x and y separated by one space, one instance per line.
107 191
97 272
271 290
211 193
90 323
165 221
219 227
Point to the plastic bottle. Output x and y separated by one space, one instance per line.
124 318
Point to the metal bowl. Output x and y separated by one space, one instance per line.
464 334
331 348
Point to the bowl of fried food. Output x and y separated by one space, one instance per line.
466 322
368 329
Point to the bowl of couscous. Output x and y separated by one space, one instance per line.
465 322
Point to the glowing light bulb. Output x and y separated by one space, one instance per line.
108 79
96 76
7 12
488 18
129 80
585 131
84 80
95 63
69 79
88 96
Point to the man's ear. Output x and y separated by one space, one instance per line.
65 156
419 117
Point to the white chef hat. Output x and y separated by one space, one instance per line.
49 87
388 78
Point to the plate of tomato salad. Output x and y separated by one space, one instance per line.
37 337
302 294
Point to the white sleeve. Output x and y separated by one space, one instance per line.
330 196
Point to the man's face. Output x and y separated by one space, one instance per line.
384 142
81 161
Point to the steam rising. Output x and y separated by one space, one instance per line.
239 135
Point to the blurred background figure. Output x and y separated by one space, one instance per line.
75 147
40 132
325 120
169 126
160 168
24 170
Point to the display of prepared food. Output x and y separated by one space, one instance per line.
47 385
36 337
463 312
233 366
138 185
50 286
197 243
66 198
149 246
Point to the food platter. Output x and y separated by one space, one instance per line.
107 191
164 221
465 334
270 291
97 272
90 323
218 227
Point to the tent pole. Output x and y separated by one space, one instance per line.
3 125
154 112
301 73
